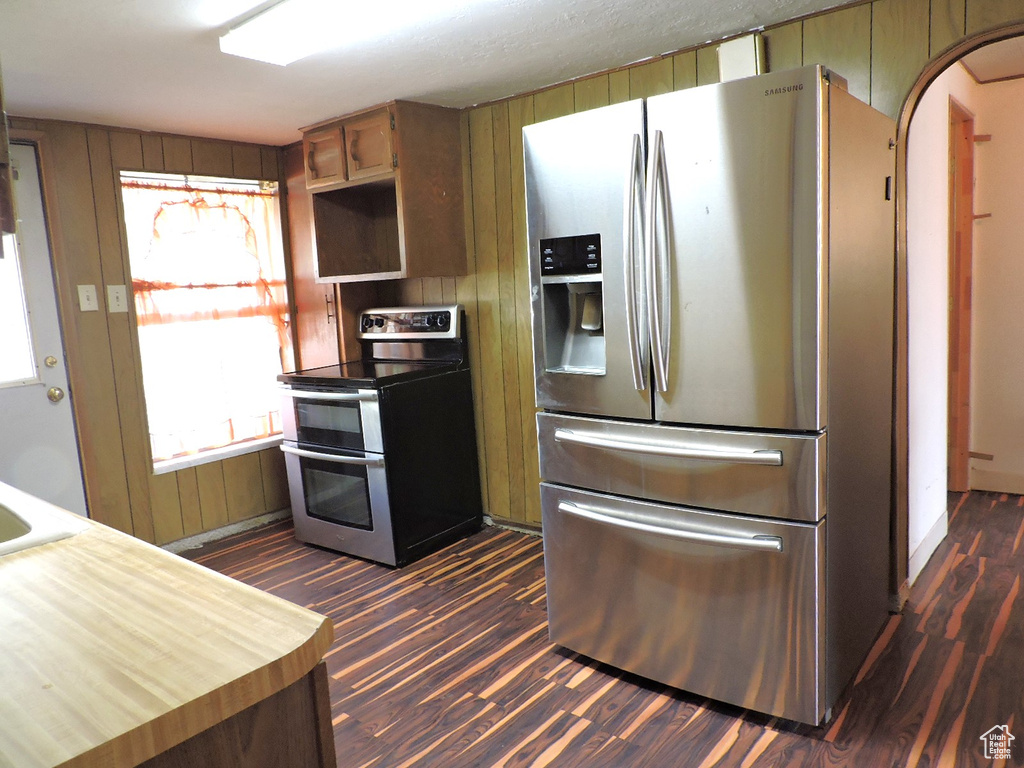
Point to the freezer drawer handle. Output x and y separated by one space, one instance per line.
365 461
307 394
766 457
759 543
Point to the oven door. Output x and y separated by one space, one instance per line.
346 419
340 501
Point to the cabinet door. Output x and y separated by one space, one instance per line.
368 145
325 161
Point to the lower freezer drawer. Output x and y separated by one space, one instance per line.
724 606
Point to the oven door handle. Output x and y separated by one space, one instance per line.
314 395
365 461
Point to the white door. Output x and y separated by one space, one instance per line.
38 448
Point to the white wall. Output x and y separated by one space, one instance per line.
997 330
927 305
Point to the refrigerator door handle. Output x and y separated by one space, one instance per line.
658 265
757 543
634 234
766 457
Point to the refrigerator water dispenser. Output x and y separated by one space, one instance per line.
573 304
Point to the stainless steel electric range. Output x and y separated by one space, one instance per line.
381 452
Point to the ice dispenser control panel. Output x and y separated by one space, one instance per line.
577 255
572 304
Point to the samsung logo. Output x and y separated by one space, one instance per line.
784 89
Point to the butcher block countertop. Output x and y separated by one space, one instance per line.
113 651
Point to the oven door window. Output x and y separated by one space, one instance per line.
337 493
334 424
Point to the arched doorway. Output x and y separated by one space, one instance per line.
921 415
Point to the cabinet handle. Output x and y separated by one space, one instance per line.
352 149
311 164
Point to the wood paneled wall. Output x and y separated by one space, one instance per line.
881 47
80 167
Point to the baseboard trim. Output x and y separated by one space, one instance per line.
512 525
206 537
997 482
919 558
897 601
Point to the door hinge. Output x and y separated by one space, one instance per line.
392 122
394 160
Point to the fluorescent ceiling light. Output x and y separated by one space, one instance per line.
294 29
283 33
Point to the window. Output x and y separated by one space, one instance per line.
17 362
208 280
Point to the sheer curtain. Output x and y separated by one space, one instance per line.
211 309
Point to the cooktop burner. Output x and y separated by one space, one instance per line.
366 373
399 344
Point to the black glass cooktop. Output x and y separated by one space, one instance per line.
366 373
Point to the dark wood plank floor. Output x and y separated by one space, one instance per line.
447 663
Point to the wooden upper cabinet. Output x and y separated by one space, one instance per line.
368 145
397 210
325 158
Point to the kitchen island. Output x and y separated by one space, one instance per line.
116 653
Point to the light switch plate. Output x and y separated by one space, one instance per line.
87 298
117 298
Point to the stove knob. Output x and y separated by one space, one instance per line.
379 322
367 322
443 320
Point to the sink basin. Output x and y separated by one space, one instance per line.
34 523
11 526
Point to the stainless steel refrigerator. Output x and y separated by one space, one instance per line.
712 299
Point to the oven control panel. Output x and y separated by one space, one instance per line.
436 322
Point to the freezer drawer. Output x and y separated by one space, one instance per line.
723 606
762 474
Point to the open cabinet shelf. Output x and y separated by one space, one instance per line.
387 198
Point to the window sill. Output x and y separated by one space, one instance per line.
217 454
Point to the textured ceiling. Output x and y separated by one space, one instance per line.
1003 60
157 66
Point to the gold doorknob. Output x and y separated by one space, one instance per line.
55 394
51 361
